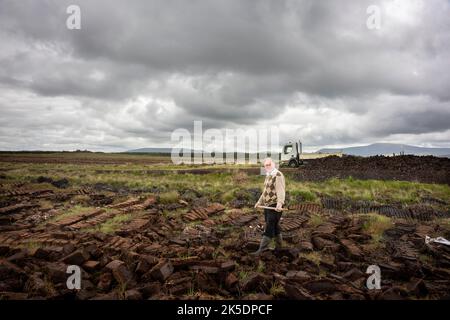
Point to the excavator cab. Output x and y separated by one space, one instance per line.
290 154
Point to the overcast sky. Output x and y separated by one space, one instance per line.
137 70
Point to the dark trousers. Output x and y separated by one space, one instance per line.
272 219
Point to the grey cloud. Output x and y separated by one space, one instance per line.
228 63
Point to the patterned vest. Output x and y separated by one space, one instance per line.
269 195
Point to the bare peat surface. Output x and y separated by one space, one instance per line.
426 169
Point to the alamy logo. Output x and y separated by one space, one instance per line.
73 21
374 280
239 145
374 19
74 280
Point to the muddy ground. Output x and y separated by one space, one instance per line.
196 248
426 169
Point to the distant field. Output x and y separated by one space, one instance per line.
147 173
83 157
426 169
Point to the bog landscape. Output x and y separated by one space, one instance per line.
140 227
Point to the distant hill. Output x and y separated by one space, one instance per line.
365 151
389 149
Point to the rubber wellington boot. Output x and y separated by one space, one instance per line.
278 242
263 246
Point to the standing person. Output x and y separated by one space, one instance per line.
273 195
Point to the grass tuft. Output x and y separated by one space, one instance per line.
169 197
375 225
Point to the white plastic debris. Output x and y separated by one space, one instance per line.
437 240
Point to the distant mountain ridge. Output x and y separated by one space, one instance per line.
389 149
365 151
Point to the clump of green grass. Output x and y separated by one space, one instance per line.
169 197
192 292
317 258
240 177
314 257
173 213
111 225
32 245
45 204
243 275
316 219
303 195
276 289
227 196
426 259
261 267
76 210
184 255
375 225
81 199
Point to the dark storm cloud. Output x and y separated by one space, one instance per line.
139 69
